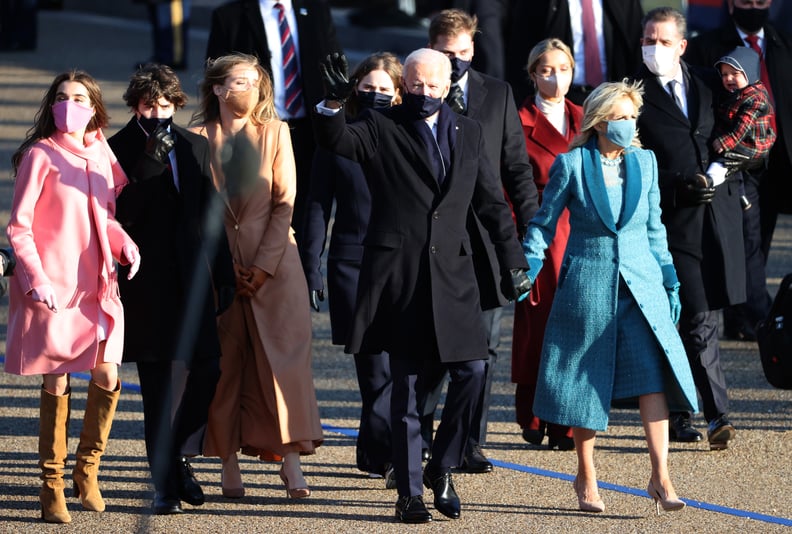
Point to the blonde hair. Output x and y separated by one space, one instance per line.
216 72
545 46
599 104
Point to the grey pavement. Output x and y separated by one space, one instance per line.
746 488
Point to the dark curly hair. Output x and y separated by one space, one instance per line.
151 82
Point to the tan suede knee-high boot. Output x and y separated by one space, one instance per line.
99 411
53 431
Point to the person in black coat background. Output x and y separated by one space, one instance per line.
701 221
174 213
251 27
418 297
770 190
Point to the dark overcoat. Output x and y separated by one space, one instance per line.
709 260
417 292
185 251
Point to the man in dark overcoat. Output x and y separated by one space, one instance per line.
175 214
676 123
418 298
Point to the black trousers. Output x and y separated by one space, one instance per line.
373 449
464 391
304 145
434 381
171 417
699 333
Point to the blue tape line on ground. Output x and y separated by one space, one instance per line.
352 433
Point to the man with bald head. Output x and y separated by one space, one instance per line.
417 296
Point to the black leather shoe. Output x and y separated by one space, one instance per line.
165 505
719 433
741 332
533 437
680 429
475 462
412 510
425 455
390 478
189 489
446 500
562 444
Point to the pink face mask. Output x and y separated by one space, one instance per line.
70 116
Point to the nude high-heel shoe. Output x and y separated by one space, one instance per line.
293 493
587 506
661 499
231 471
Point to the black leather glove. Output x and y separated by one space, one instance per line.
696 189
521 284
335 78
521 231
317 296
734 161
159 144
225 297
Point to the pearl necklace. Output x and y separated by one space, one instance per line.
611 162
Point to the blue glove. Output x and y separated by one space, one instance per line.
673 302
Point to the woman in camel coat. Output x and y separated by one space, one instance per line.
265 403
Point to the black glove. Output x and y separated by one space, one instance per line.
521 231
7 262
521 284
335 78
159 144
735 161
225 297
317 296
696 189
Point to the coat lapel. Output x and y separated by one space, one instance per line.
477 94
594 182
632 186
657 96
542 133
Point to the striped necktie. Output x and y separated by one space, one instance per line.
291 74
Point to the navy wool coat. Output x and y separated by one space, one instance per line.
578 363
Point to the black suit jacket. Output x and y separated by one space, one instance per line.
183 249
238 27
491 103
708 47
710 262
539 19
417 292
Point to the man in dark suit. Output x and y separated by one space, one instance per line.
769 190
417 296
676 123
174 213
617 24
490 102
252 27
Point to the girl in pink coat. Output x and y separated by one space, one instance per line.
64 312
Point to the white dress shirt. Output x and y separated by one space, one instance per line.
272 29
578 48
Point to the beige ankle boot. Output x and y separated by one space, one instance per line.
53 431
99 411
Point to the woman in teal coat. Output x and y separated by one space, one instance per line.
610 335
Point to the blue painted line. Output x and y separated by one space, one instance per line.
352 433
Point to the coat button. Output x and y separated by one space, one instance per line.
236 227
435 216
433 249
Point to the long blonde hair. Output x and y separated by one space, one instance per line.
600 102
216 72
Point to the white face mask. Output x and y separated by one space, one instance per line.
660 60
555 85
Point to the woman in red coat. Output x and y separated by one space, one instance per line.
549 122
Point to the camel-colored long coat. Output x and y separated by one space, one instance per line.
64 234
266 375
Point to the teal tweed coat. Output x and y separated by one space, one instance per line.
576 373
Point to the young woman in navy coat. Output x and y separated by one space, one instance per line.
610 335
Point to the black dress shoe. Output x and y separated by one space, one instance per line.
412 510
562 444
189 489
741 332
680 429
390 478
446 500
533 437
164 505
475 462
425 455
719 433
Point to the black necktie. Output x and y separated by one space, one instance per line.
456 98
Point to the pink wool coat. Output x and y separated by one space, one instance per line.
64 234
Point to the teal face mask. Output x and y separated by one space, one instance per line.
621 132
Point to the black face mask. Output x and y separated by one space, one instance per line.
150 124
750 20
422 105
458 68
373 100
